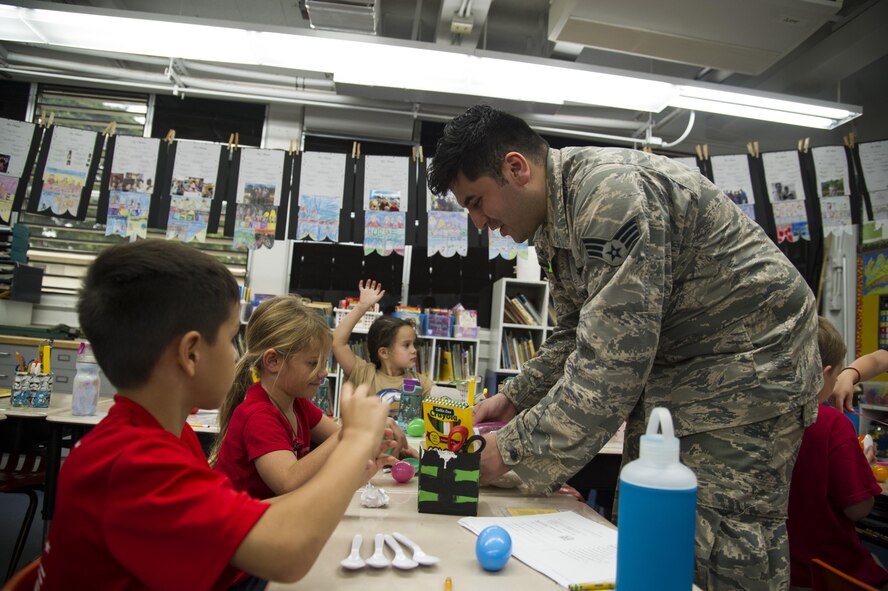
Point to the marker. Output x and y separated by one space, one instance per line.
448 584
591 586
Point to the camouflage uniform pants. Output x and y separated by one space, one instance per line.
743 476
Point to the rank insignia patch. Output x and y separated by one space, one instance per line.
613 251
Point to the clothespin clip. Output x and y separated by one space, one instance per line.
354 150
110 129
290 150
358 157
421 157
756 146
705 151
51 119
749 149
170 136
849 140
807 144
236 140
230 140
699 150
413 153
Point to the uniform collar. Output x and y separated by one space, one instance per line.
556 230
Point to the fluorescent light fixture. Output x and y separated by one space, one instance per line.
763 106
400 65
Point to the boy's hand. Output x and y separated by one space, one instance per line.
362 413
371 293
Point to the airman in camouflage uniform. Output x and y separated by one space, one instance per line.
667 295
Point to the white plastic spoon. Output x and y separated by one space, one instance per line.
418 555
400 561
353 561
378 560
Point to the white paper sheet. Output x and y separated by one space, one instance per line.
566 547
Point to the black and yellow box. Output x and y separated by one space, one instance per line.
448 423
448 482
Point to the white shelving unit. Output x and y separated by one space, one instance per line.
437 346
511 342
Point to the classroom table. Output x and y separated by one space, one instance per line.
439 535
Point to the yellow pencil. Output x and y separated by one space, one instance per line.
592 586
448 584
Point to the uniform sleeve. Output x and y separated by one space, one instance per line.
620 230
264 432
165 505
851 479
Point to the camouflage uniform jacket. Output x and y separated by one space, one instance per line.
664 289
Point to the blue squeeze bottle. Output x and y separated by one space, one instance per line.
657 514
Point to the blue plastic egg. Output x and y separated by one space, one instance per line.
493 548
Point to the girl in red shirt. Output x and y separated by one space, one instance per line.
267 421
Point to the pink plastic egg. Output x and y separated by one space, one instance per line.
402 471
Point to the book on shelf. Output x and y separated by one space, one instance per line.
445 367
522 313
510 312
531 309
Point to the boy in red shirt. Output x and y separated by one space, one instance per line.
832 486
138 506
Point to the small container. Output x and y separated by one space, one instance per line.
87 383
658 513
411 402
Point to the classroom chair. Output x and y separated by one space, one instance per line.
23 474
24 579
828 578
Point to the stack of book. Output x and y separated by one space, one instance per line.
519 310
517 350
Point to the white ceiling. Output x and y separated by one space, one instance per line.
821 49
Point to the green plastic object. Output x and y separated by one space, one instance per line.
416 428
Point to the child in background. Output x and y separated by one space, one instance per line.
832 486
863 368
391 343
138 507
266 428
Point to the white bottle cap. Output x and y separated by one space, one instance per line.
661 449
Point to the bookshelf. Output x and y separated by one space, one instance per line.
430 352
518 324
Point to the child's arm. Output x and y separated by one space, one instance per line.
863 368
371 293
286 541
858 511
283 472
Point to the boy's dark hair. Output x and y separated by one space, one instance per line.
382 333
476 142
831 344
139 296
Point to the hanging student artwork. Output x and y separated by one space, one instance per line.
321 186
130 185
192 189
448 226
784 180
833 188
17 150
731 175
258 197
504 246
874 165
65 173
384 232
